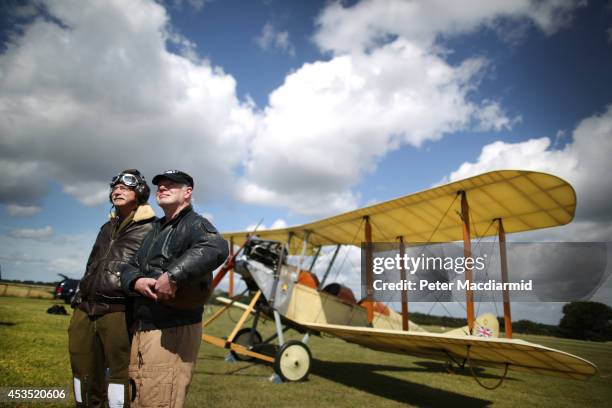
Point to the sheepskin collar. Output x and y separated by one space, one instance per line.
143 212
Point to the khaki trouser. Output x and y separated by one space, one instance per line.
95 344
162 364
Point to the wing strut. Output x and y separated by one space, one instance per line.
368 265
504 276
467 253
230 290
329 266
303 253
314 259
402 250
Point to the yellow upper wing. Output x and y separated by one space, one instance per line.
525 200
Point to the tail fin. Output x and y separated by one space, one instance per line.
486 325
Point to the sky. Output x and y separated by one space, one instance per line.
293 111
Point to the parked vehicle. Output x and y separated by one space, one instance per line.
66 288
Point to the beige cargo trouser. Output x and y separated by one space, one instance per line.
162 364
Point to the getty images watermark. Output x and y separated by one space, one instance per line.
540 272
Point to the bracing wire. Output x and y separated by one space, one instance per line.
476 249
375 226
337 270
429 239
437 301
442 219
492 292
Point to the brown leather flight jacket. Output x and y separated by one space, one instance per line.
100 288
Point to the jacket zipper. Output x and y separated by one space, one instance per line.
110 246
112 242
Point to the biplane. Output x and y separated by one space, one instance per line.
490 204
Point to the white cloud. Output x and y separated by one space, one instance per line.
387 84
332 121
23 180
576 231
66 264
21 257
584 162
196 5
561 134
370 22
491 117
89 193
532 154
271 39
208 216
15 210
40 234
100 92
186 47
252 227
305 202
44 259
277 224
346 269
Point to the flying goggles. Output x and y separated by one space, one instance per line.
129 180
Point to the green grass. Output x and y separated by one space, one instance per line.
34 353
33 344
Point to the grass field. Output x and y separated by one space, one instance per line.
34 353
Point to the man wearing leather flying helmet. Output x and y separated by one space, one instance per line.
98 333
172 273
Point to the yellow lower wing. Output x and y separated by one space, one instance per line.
517 354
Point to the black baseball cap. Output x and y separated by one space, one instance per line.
176 176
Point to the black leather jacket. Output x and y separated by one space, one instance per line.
100 288
189 248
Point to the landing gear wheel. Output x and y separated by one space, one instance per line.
292 362
243 338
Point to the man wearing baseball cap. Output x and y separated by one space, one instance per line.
171 276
